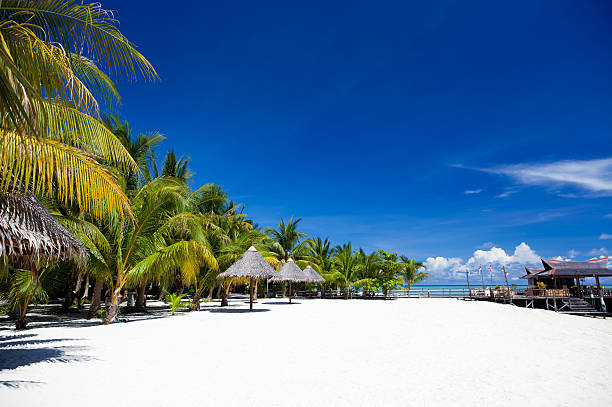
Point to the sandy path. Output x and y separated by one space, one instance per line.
319 352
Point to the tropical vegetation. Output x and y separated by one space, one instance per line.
119 222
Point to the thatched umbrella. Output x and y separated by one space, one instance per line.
313 276
251 265
29 232
290 272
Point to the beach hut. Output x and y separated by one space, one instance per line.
292 273
29 233
252 266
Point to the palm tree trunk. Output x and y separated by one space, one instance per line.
68 293
86 288
284 289
346 293
113 309
224 293
195 302
255 291
210 293
141 298
162 291
219 288
77 288
94 306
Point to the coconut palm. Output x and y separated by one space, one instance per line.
286 239
412 272
161 239
345 260
320 255
139 148
50 95
367 271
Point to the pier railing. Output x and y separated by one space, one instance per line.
595 292
547 292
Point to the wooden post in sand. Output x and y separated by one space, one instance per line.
467 275
250 293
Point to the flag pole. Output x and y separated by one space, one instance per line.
507 286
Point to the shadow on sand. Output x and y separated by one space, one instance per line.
228 310
19 384
280 302
15 353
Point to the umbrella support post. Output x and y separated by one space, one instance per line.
251 294
290 295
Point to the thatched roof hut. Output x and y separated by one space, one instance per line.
28 231
252 266
292 273
313 276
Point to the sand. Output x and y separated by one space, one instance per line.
407 352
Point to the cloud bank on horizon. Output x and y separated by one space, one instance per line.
454 268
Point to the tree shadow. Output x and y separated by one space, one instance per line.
226 310
281 302
11 337
33 342
14 358
19 384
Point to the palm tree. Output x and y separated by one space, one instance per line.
411 272
320 254
139 148
50 93
367 271
286 239
345 260
286 242
161 239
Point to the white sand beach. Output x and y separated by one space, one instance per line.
421 352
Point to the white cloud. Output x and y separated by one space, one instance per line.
472 191
594 176
486 245
601 252
494 255
508 191
605 236
439 264
454 267
525 255
573 253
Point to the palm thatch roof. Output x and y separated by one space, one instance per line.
290 272
27 230
313 276
251 264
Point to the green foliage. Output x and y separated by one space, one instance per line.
174 301
101 314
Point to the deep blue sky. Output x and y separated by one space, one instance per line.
428 128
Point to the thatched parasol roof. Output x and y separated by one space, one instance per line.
313 276
290 272
251 264
27 230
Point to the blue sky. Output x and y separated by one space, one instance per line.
434 129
